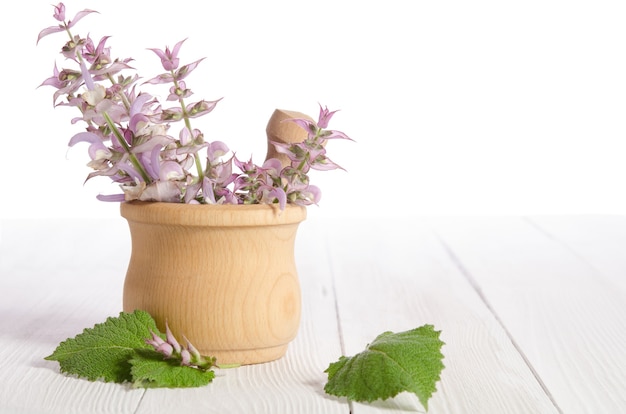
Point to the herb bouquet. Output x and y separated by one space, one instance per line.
212 235
132 140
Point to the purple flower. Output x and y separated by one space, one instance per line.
170 348
311 195
179 92
97 149
278 194
160 345
169 59
54 80
59 14
166 349
324 117
215 150
171 339
129 139
99 55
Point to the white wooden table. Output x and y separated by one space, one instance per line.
532 310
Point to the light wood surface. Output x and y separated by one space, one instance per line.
532 311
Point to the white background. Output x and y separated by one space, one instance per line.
457 107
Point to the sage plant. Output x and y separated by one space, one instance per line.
152 150
171 349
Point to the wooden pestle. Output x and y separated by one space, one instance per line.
285 132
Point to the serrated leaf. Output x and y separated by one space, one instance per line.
150 370
394 362
102 352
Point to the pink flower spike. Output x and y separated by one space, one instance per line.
169 59
160 345
286 149
54 79
171 171
313 194
131 171
207 191
192 350
166 349
79 16
279 194
272 166
111 198
185 70
332 134
215 150
49 30
89 83
138 104
324 164
171 339
325 116
59 12
156 340
59 15
89 137
185 357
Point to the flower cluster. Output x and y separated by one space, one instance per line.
171 349
131 138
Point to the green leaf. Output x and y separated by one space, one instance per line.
102 352
150 370
395 362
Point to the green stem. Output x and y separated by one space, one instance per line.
183 107
315 142
123 143
121 95
113 127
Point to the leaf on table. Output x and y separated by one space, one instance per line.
394 362
103 352
150 370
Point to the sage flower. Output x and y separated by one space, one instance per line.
59 14
170 348
169 59
136 140
324 117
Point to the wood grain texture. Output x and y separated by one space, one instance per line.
293 384
224 276
396 276
532 312
600 241
567 320
55 282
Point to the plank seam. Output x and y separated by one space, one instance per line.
563 244
474 284
140 401
336 301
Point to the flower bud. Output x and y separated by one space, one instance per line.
185 357
171 339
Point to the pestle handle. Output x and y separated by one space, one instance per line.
285 132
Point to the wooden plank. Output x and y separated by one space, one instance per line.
556 292
598 240
61 292
293 384
57 279
395 275
561 312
